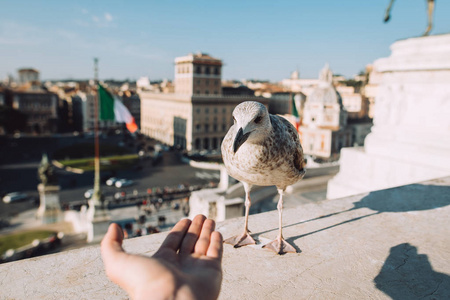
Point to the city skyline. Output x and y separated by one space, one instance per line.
256 39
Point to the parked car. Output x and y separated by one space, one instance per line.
123 183
111 181
88 194
13 197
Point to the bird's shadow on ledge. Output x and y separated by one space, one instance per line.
413 197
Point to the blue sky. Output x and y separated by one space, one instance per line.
255 39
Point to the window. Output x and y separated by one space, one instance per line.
198 127
198 70
207 70
207 110
207 82
216 71
207 92
206 127
214 127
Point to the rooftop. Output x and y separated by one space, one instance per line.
385 244
28 70
198 58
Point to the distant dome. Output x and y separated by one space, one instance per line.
324 95
295 75
325 92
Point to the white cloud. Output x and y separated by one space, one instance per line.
105 21
108 17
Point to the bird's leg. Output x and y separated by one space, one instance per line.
430 17
245 238
279 245
388 11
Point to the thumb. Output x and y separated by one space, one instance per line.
112 251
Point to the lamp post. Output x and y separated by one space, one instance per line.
98 216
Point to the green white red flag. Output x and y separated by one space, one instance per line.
295 112
111 108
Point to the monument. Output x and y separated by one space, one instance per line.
410 139
324 129
49 210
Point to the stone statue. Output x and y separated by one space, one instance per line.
46 172
430 15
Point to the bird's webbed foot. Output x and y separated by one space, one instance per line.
240 240
280 246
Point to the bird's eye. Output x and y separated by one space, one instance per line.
258 119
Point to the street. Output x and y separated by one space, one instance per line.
167 172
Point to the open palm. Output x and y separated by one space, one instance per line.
186 266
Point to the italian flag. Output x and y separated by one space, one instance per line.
111 108
295 112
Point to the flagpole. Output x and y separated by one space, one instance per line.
96 200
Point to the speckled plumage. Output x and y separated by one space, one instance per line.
277 159
262 149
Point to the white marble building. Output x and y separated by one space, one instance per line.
410 139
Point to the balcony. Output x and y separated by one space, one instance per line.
386 244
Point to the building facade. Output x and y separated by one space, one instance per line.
133 103
198 74
281 103
41 109
197 116
28 76
356 104
296 84
324 128
88 113
371 88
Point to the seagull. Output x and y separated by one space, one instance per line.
262 149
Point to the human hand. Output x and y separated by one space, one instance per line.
186 266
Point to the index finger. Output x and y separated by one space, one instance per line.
176 235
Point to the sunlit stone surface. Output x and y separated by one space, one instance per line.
389 244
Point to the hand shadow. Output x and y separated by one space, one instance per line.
409 275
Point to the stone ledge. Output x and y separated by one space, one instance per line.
386 244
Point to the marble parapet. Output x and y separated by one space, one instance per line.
387 244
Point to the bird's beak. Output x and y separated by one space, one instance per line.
240 139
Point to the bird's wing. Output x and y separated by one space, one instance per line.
292 135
